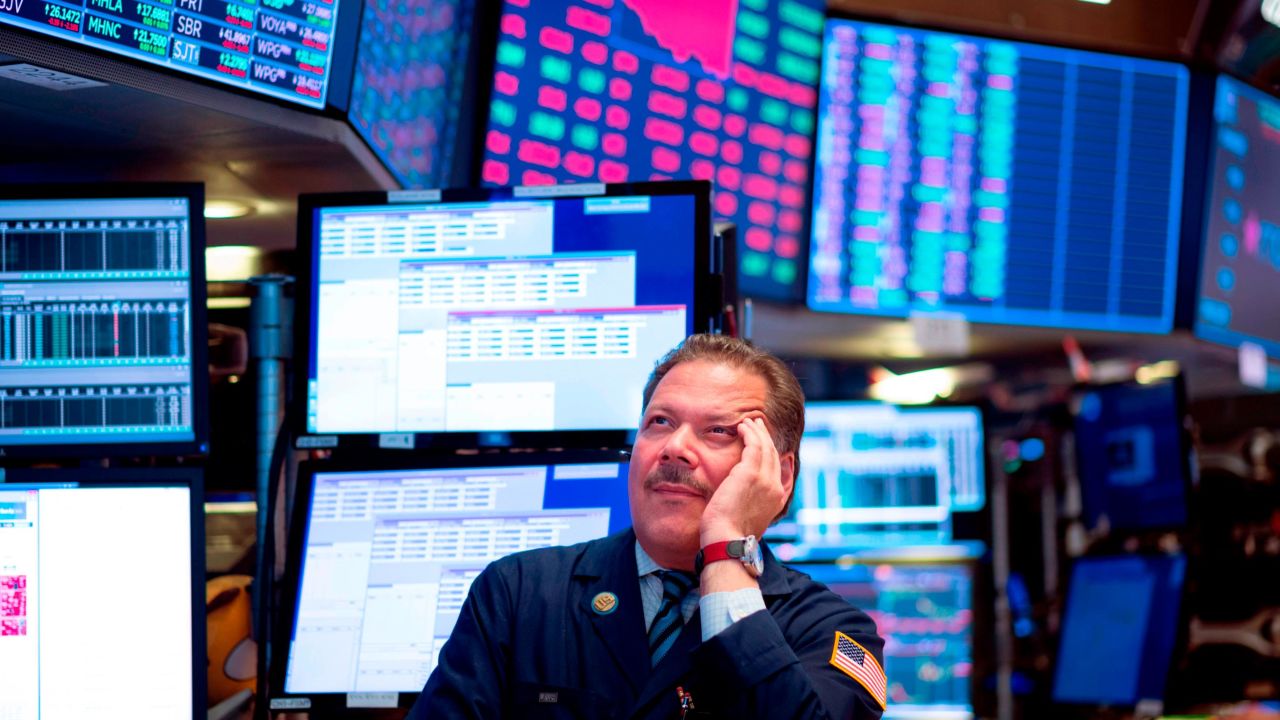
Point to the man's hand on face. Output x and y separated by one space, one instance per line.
752 495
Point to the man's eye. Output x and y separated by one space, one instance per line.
721 431
658 421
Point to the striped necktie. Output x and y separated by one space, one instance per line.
670 617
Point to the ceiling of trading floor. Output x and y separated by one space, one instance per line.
261 154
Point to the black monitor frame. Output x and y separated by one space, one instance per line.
193 478
333 704
193 193
708 293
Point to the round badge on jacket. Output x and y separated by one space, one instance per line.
604 603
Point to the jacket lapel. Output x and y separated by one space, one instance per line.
677 664
674 666
610 567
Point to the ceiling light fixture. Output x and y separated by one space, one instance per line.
232 263
1271 11
226 209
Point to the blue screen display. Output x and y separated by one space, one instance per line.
924 611
1119 629
1240 269
1132 464
96 331
875 474
407 87
513 314
1009 182
588 90
390 555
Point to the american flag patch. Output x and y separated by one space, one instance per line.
858 663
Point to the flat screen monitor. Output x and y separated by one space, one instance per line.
1240 265
291 50
924 611
1133 456
102 330
649 89
102 594
1004 181
496 311
408 86
874 474
384 558
1120 629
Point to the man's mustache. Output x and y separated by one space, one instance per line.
676 475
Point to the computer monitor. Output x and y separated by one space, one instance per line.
298 52
384 558
643 90
1119 630
874 474
464 316
1005 181
102 320
1133 456
1240 262
411 86
102 594
924 611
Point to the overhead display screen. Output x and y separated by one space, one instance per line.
629 90
408 84
1240 270
281 48
1009 182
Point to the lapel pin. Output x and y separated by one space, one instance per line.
604 603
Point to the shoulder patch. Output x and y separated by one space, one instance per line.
850 658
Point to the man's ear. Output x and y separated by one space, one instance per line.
787 463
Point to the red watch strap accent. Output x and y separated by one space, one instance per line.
716 552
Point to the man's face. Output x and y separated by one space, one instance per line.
686 446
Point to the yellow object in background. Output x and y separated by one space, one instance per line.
233 653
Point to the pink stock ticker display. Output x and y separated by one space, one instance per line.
630 90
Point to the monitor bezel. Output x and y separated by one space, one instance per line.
193 193
1180 634
1176 303
1186 463
290 588
703 314
188 477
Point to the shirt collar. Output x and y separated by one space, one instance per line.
645 564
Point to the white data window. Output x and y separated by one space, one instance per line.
95 593
454 230
565 281
391 555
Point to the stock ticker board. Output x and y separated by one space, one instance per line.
1009 182
280 48
616 90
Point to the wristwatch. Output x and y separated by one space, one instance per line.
745 550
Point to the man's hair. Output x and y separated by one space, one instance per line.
784 406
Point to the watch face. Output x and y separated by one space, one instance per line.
751 555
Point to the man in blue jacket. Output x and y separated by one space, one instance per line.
686 614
